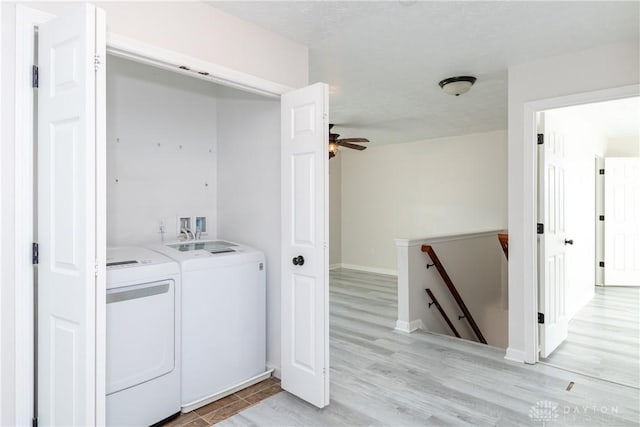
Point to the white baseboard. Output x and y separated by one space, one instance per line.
277 371
188 407
514 355
408 327
367 269
334 266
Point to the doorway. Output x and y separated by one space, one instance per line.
588 323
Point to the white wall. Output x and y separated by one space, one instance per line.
208 34
248 176
161 152
335 211
590 70
446 185
623 147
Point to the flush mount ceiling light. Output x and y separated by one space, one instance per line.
457 85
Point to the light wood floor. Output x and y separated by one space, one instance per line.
604 337
379 377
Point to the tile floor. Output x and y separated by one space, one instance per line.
224 408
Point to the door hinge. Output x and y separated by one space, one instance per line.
541 318
95 266
97 62
34 76
601 217
35 257
601 263
540 228
540 138
601 171
34 422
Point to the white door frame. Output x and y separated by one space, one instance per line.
2 335
530 188
598 255
26 19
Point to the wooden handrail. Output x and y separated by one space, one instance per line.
454 292
504 242
444 315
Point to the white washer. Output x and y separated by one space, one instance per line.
143 337
223 318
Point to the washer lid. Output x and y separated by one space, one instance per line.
211 246
212 254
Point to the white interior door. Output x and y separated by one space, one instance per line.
305 242
70 219
552 244
622 221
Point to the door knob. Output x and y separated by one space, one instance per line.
298 260
568 242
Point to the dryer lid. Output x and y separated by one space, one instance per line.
125 257
126 264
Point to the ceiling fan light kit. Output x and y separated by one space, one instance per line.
335 143
457 85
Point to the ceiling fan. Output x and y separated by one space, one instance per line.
335 143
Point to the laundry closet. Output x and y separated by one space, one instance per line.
193 168
130 144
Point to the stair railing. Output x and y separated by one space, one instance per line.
504 242
435 302
454 292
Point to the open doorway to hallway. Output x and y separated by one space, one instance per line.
589 239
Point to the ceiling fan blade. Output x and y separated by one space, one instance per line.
349 145
353 140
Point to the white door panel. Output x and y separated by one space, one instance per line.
622 221
68 283
305 287
552 260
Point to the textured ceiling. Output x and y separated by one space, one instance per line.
384 60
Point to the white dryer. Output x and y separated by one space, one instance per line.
223 318
143 337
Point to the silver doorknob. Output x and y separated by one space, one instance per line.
568 242
298 260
